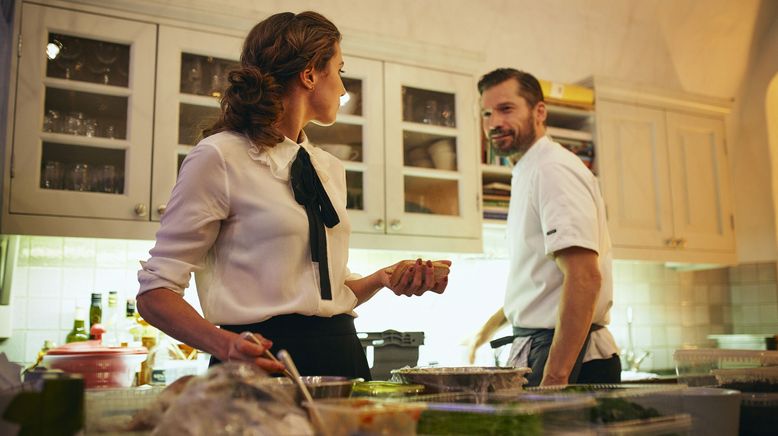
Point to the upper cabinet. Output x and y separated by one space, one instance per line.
82 139
192 67
663 167
406 136
107 108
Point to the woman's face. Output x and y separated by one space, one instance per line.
328 87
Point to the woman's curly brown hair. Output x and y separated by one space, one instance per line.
274 52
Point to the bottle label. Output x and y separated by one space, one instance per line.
158 376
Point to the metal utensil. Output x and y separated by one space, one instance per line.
267 353
286 359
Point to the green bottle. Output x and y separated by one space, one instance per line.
96 310
79 333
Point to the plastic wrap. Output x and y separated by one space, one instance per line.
234 399
470 379
501 414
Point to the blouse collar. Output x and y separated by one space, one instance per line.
280 157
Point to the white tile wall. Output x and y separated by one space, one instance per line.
671 308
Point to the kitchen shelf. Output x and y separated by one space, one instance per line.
496 170
578 135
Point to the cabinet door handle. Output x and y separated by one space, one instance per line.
396 225
140 209
378 224
161 209
680 242
670 242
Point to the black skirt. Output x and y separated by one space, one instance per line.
318 345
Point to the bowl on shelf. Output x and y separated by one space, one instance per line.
341 151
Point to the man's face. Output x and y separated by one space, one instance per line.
508 120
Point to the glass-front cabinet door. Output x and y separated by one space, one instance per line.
83 122
356 139
431 154
192 73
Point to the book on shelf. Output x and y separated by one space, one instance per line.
497 197
493 203
496 215
498 186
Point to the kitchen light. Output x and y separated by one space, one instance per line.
53 49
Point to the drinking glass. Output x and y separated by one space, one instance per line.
431 114
79 177
108 179
52 175
52 121
90 127
106 54
74 123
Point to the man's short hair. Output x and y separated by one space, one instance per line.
529 87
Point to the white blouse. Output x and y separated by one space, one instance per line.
232 220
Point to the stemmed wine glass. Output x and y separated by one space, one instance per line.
106 54
68 57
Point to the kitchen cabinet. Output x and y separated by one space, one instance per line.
82 141
664 174
187 101
409 148
103 124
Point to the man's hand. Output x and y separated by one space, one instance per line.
494 323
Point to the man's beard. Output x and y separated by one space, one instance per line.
521 142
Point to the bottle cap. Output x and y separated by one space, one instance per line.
97 297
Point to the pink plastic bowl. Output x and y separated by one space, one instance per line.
101 367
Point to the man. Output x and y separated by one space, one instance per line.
559 289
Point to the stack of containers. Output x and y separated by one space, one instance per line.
457 413
695 367
634 410
759 407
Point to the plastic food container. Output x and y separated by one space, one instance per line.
498 414
101 367
362 416
110 410
382 389
763 379
628 409
480 380
694 367
666 425
759 414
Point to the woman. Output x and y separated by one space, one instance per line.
260 216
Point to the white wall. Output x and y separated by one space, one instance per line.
754 161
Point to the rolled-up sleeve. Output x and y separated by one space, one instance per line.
190 224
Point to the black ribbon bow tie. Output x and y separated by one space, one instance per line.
309 192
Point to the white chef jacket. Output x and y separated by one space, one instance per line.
555 204
232 220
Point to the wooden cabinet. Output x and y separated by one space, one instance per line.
664 174
107 108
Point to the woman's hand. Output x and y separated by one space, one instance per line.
243 348
415 278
